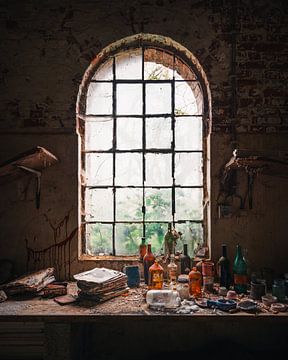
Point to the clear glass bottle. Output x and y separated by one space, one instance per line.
172 271
148 261
142 249
185 261
183 287
169 241
240 272
156 274
223 269
163 299
195 282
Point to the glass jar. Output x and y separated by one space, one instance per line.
278 289
168 299
183 287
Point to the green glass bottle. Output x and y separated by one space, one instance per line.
240 272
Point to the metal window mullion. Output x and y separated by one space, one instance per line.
173 141
96 116
114 99
182 221
143 146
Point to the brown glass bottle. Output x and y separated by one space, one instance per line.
185 261
195 282
148 261
142 249
156 273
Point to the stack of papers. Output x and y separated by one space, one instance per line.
31 283
101 284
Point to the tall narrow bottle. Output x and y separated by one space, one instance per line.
172 271
185 261
223 269
240 272
142 249
169 241
156 274
148 261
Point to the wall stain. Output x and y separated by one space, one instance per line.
57 254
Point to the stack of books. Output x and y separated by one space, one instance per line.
101 284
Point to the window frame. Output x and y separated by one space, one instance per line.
131 43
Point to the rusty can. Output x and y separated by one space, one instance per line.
208 268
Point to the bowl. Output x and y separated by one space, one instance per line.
247 305
278 307
269 299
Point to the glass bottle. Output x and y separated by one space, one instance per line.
185 261
172 270
155 276
148 260
240 272
169 241
195 282
278 289
142 249
223 269
183 287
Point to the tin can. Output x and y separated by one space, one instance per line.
208 268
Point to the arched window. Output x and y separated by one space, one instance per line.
142 114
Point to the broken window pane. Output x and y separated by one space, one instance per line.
99 239
129 133
188 169
158 133
188 133
158 170
188 204
129 65
128 238
182 71
99 205
128 169
158 204
99 99
158 98
129 99
185 102
153 71
154 234
129 204
99 169
192 236
99 134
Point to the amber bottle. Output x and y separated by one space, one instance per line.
155 276
195 282
148 261
142 249
172 271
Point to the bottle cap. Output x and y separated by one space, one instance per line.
183 278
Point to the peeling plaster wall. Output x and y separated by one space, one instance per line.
45 48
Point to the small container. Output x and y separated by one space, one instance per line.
183 287
268 299
222 291
168 299
133 275
278 289
278 307
258 289
231 295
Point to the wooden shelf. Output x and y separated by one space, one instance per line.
35 159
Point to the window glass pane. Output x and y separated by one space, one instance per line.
99 169
129 133
158 203
104 72
129 65
99 99
128 169
158 170
99 205
154 233
158 98
129 204
188 133
99 134
99 239
129 99
192 236
188 169
185 102
188 204
128 238
153 71
158 133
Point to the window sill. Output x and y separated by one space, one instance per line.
86 257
